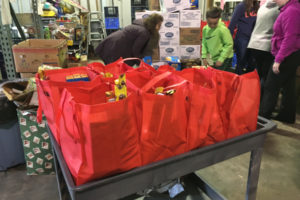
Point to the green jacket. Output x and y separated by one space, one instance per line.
217 42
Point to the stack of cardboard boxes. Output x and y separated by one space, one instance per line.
169 35
190 41
180 31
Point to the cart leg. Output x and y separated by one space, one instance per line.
62 187
253 174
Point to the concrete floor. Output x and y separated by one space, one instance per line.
279 174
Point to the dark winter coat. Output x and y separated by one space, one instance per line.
128 42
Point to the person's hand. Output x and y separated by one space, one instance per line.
218 64
205 63
276 67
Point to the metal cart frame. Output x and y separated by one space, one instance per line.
128 183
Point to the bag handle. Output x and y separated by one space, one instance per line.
126 59
76 136
39 114
155 80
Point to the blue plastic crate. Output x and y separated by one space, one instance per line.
112 23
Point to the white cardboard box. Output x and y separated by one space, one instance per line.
143 15
189 51
171 20
168 51
190 18
156 65
174 42
169 37
175 5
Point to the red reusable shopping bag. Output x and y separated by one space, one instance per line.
205 125
98 139
165 68
49 92
238 100
140 76
164 118
245 105
118 67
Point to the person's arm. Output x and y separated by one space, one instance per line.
139 45
291 33
227 45
239 11
204 46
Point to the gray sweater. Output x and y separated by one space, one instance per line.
263 30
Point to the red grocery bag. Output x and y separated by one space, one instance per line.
205 126
164 118
118 67
98 139
96 67
49 92
238 100
245 105
140 76
166 68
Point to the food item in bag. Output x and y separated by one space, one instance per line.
77 77
110 96
120 87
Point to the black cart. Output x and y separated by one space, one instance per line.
127 184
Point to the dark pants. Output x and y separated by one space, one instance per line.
262 61
227 65
240 47
286 80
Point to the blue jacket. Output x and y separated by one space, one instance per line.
242 22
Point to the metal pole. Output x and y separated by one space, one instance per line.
37 20
253 174
13 14
6 44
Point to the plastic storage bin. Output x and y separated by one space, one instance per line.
11 151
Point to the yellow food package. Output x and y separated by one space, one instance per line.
159 90
120 87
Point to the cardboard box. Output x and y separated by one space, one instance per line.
168 51
171 20
74 64
172 5
190 36
169 37
190 18
32 53
83 60
156 65
27 75
189 51
145 14
154 5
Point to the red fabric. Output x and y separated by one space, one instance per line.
164 118
238 101
98 139
205 126
245 105
165 68
49 92
118 67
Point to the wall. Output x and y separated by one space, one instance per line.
22 6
